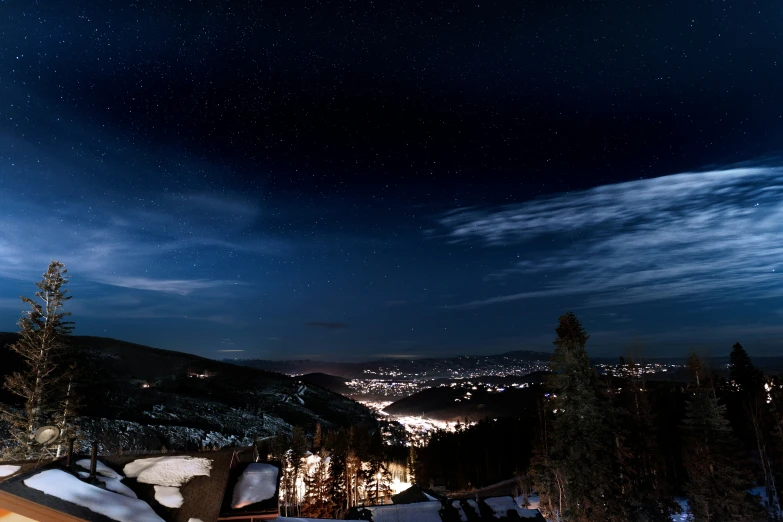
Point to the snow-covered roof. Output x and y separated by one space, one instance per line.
419 512
112 484
461 512
258 482
6 470
171 471
492 508
252 491
169 496
502 505
100 468
179 487
312 520
64 486
10 469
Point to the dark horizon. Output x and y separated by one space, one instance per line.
633 353
352 181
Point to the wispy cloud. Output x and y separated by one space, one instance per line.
681 236
171 286
134 245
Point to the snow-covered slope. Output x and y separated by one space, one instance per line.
141 398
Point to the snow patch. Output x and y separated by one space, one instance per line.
502 505
65 486
462 516
100 468
168 471
113 484
169 496
418 512
134 436
685 514
472 503
311 520
7 470
532 501
257 483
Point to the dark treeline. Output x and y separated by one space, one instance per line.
483 454
619 448
335 469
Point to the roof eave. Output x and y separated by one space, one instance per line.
33 510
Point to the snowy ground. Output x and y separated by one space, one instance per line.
502 505
114 435
685 514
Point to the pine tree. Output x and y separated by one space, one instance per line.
378 479
748 379
773 391
317 438
338 482
318 502
751 418
577 474
69 404
278 449
293 469
699 370
355 456
378 482
646 493
718 483
412 464
46 386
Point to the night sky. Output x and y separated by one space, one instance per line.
359 179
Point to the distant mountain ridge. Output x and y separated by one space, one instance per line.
433 366
442 367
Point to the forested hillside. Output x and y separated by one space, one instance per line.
137 397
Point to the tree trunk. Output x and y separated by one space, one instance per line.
63 429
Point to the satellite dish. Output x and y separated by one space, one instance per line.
46 434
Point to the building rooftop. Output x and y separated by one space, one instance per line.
170 487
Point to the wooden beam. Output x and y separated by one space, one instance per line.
26 508
249 518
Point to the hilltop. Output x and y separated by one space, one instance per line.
327 382
446 403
